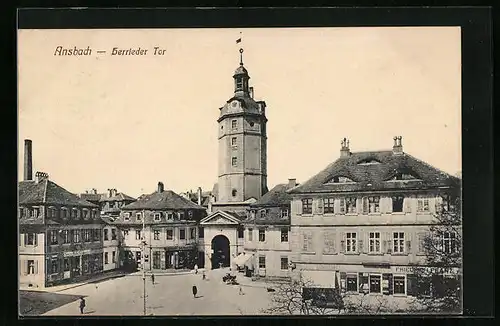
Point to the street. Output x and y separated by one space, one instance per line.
170 295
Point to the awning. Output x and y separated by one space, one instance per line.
241 259
319 279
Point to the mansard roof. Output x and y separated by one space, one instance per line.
362 171
49 193
166 199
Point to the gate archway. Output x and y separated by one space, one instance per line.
220 255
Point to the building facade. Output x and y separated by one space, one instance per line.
266 246
59 235
359 224
167 224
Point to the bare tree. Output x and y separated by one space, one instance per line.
438 284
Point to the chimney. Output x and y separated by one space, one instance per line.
397 148
113 192
292 183
344 148
199 196
28 160
94 191
251 91
110 193
39 176
160 187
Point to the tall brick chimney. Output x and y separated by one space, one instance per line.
344 148
28 160
397 148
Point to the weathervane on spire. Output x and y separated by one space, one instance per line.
241 50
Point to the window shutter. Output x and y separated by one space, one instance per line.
35 239
408 242
366 238
360 245
388 205
438 204
411 285
299 206
333 242
25 238
359 205
391 284
342 205
432 205
388 237
342 242
383 245
36 266
320 206
361 282
25 265
343 277
407 204
420 205
365 205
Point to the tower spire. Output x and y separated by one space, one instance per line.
241 57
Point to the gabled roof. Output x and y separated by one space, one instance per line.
222 218
376 176
48 192
277 196
118 197
162 200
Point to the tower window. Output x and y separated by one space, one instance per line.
233 141
234 192
234 161
239 83
234 124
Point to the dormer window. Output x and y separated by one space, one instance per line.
403 176
284 212
181 215
126 216
170 216
64 213
340 179
369 161
157 216
138 216
263 213
190 214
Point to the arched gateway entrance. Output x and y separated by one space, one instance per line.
220 249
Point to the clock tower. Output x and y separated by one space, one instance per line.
242 143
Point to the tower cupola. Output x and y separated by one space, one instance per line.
241 78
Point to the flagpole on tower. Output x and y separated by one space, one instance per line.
241 50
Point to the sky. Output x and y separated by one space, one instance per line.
128 122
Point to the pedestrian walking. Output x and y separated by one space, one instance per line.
204 276
152 278
82 305
241 291
195 290
196 268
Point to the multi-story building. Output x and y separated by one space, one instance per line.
59 233
359 223
167 223
242 171
267 228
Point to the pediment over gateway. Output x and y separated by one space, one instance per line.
220 218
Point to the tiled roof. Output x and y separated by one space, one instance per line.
162 200
275 197
240 215
374 176
118 197
91 197
48 192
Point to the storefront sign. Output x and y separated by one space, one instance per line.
403 269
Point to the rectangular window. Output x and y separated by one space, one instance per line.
170 234
137 234
284 212
234 161
113 234
106 258
250 234
284 235
284 263
262 235
262 261
182 234
351 243
374 204
233 141
181 216
263 213
29 239
113 257
53 237
54 266
423 204
398 242
375 284
125 234
342 206
74 213
126 216
351 205
201 232
328 204
397 204
65 237
399 285
87 235
97 235
138 216
156 234
328 242
31 267
307 206
170 216
352 283
193 233
234 124
105 235
76 236
449 242
157 217
374 242
85 213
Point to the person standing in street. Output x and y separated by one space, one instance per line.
152 278
196 268
195 291
82 305
204 276
241 291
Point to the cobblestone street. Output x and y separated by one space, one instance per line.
170 295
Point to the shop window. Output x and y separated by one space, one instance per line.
284 263
399 285
156 259
375 284
352 283
328 204
307 206
397 204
